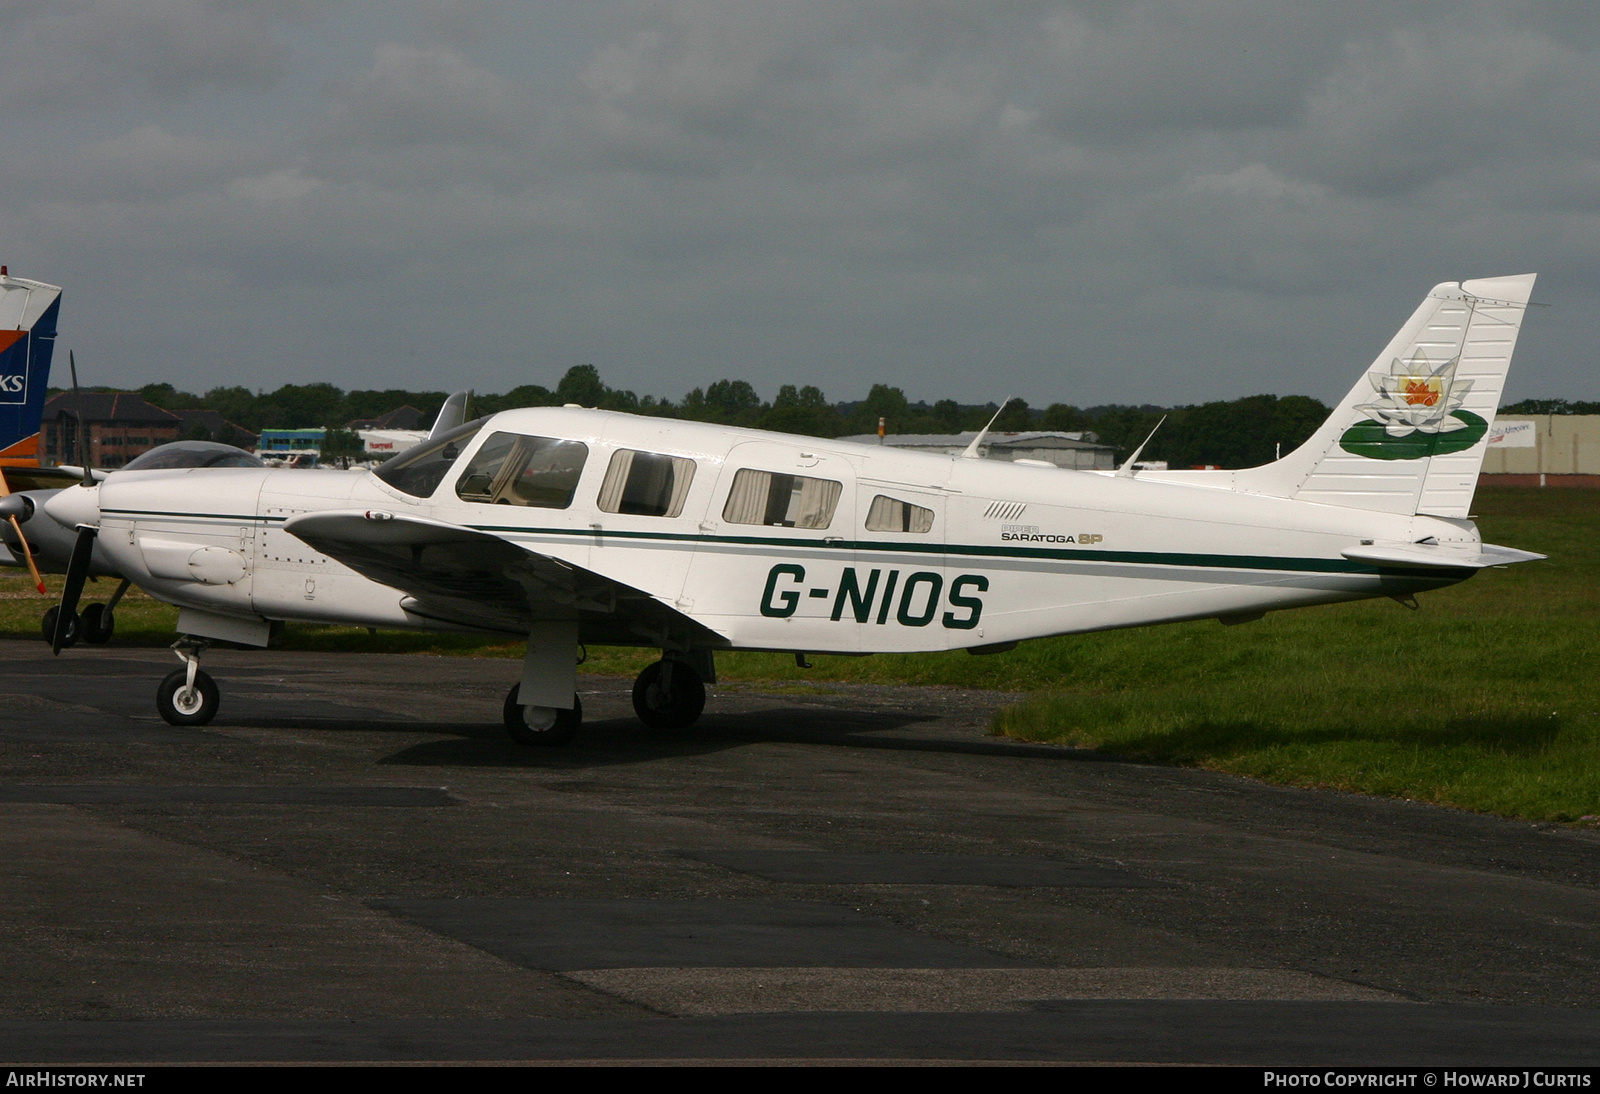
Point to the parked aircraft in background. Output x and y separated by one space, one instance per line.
570 526
28 311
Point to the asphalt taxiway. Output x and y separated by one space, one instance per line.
355 863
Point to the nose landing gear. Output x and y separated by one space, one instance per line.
188 697
95 624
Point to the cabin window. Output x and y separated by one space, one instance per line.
784 501
511 469
893 515
646 484
419 471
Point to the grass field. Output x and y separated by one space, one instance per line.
1487 698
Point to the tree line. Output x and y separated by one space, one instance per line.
1236 433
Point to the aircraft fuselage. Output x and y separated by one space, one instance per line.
915 551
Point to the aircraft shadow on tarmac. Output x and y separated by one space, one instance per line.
625 741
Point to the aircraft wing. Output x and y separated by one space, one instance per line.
475 579
45 478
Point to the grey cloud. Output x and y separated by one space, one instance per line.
460 22
1433 99
83 52
1093 202
430 95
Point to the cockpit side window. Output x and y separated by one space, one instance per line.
893 515
511 469
780 500
419 471
646 484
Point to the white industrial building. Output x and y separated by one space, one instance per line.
1543 450
1078 451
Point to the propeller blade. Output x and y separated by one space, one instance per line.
72 588
27 551
27 554
83 437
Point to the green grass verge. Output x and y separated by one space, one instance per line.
1488 698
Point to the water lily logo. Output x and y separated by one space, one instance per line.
1417 413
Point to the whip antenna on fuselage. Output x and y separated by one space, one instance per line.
1127 468
972 449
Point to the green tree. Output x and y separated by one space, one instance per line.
805 411
341 444
883 401
524 395
169 398
1015 418
1063 418
301 406
237 404
581 385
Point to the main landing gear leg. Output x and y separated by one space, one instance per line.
549 675
671 693
188 697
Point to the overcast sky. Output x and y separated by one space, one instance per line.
1077 202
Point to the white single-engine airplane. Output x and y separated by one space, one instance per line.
572 526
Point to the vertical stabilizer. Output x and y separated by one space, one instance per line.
1410 436
27 340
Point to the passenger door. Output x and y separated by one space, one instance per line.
774 544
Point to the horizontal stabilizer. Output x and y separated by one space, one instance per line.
1430 556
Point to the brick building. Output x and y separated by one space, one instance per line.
120 427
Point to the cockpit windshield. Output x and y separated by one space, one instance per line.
178 454
419 471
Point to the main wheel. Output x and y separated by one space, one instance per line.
96 625
183 706
47 627
541 725
668 695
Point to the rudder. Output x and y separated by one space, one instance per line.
1410 436
28 311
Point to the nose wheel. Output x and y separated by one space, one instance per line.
188 697
47 627
95 624
669 695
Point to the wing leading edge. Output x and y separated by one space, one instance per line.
475 579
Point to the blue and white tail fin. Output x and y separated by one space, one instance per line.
28 312
1411 435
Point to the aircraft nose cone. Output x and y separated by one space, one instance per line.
74 506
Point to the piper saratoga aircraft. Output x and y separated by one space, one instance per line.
570 526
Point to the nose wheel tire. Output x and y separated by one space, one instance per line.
541 725
96 624
182 705
47 627
669 695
